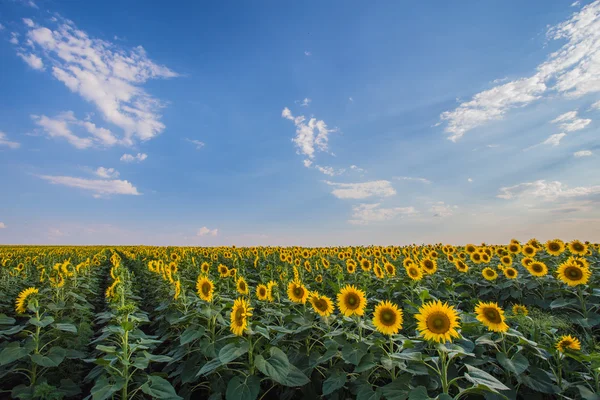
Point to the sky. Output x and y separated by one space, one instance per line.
298 123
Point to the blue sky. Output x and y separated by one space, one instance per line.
315 123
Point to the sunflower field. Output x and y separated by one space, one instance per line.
513 321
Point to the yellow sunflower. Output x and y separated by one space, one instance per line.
537 268
378 271
242 286
428 266
568 342
526 261
489 274
321 304
319 278
572 274
239 316
390 269
350 266
365 264
22 299
270 286
262 293
297 292
387 318
407 262
506 261
519 309
461 266
438 321
578 248
510 273
470 248
205 267
529 250
205 288
351 301
514 247
492 316
414 272
555 247
476 257
223 271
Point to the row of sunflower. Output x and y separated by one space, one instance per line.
373 322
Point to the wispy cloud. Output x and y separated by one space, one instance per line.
440 209
305 102
357 169
5 142
363 214
582 153
107 173
330 170
571 71
204 231
197 143
311 136
552 140
570 122
62 126
2 225
103 73
307 53
470 180
362 190
128 158
410 178
98 186
546 191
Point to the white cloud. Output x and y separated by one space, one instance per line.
99 187
572 71
5 142
1 27
350 99
63 123
104 74
307 163
546 191
575 3
554 140
363 214
198 143
492 146
330 170
204 231
28 22
311 136
362 190
14 38
582 153
30 3
107 173
570 122
139 157
469 180
357 169
410 178
33 61
307 53
305 102
2 225
442 210
596 105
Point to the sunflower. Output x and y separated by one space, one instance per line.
537 268
365 264
461 266
485 258
262 293
390 269
506 261
350 266
437 321
387 318
414 272
378 271
529 250
233 272
578 248
470 248
270 287
573 274
321 304
22 299
351 301
223 270
297 292
519 309
205 267
242 286
555 247
476 257
205 288
319 278
177 289
514 247
428 266
526 261
582 262
510 273
491 316
407 262
489 274
239 316
568 342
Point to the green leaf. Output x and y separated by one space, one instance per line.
4 320
366 363
141 362
335 381
408 356
106 349
43 323
190 334
66 327
396 390
539 380
159 388
12 352
157 358
69 388
558 303
352 353
55 356
587 394
366 392
232 351
418 393
277 367
480 377
209 367
238 389
517 364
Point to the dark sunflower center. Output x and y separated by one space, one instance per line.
428 264
352 301
262 291
242 286
298 292
438 322
510 272
578 247
537 268
206 288
554 246
388 317
574 273
239 316
492 315
321 305
489 272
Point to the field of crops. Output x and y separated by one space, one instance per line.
478 321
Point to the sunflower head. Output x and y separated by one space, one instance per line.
573 274
390 269
321 304
23 299
297 292
438 321
555 247
506 260
568 342
262 292
510 273
223 270
350 266
205 288
537 268
461 266
378 271
205 267
492 316
514 247
519 309
529 250
414 272
489 274
429 266
365 264
351 301
239 316
388 318
242 286
319 278
270 288
578 248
